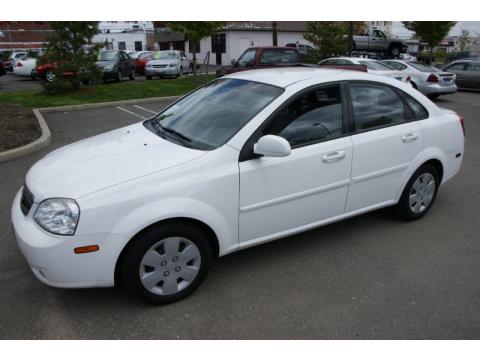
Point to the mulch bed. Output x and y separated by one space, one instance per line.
18 127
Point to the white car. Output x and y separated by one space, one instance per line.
248 158
25 67
167 63
373 66
428 80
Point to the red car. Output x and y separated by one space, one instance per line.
45 71
141 60
261 58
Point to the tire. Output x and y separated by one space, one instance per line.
190 69
162 275
49 76
119 76
433 96
394 51
418 196
148 77
132 74
414 85
180 71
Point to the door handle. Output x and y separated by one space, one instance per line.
333 156
409 137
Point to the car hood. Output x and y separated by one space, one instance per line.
103 161
163 62
102 64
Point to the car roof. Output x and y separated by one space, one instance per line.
286 76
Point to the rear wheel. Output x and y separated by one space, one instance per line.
49 76
419 193
166 263
433 96
394 51
148 77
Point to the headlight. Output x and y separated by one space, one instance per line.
172 65
58 216
108 67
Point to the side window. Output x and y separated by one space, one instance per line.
278 56
418 111
396 65
375 106
456 67
473 67
247 57
314 116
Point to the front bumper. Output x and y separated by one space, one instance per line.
437 88
166 71
109 74
52 259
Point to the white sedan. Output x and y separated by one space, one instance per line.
428 80
25 67
248 158
373 66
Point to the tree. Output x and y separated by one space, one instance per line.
431 32
329 38
464 40
70 46
195 31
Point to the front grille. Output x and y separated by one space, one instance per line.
160 66
26 201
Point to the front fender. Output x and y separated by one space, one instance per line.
175 207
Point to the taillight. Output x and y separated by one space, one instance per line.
432 78
462 122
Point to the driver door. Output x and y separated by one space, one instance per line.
279 195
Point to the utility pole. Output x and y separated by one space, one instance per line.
350 38
274 33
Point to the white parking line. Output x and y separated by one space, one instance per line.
131 112
145 109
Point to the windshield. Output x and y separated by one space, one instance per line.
210 116
164 55
107 55
422 67
376 65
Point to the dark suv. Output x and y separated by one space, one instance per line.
116 65
261 58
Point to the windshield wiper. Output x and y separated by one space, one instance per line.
185 140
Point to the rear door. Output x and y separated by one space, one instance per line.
472 75
459 70
384 141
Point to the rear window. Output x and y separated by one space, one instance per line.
279 56
375 65
422 67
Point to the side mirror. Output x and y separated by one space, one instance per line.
233 62
272 146
184 58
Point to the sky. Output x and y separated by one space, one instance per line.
472 26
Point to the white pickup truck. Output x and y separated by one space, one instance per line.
377 41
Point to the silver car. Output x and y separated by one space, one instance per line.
167 63
430 81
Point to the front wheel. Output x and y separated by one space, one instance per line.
166 263
119 76
132 74
419 193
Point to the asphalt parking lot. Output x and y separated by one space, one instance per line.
369 277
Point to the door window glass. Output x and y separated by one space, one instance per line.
315 116
473 67
456 67
247 58
375 106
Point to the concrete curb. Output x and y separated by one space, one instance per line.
38 144
46 136
107 104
